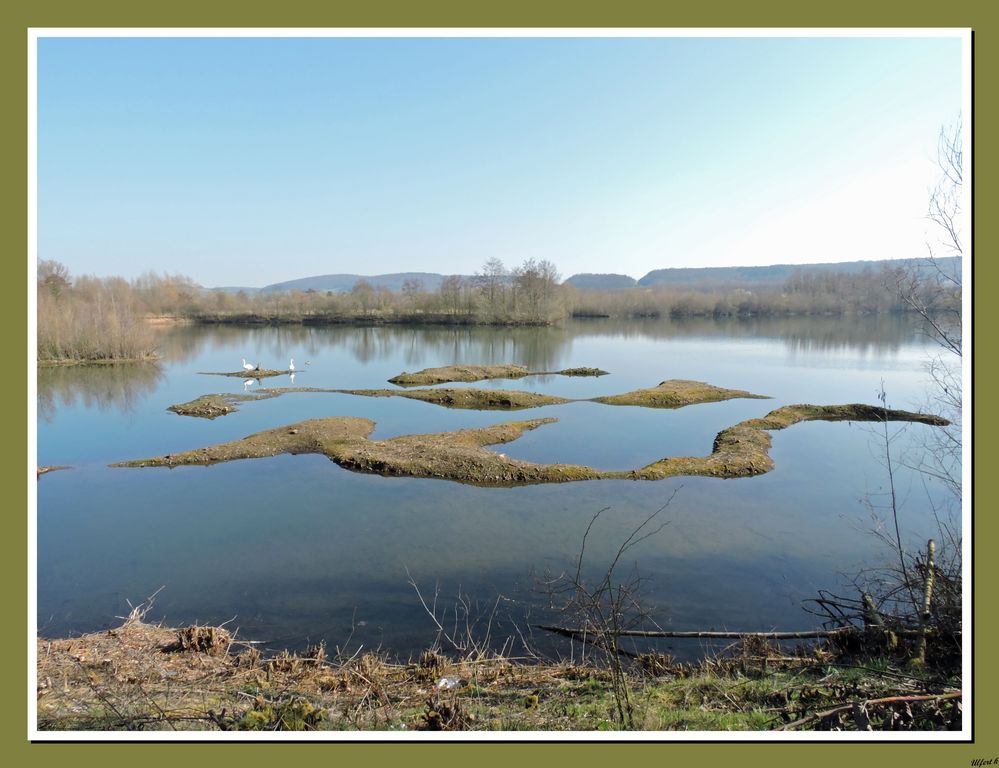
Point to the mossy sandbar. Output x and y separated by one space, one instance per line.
669 394
738 451
743 450
471 399
676 393
469 373
213 406
459 373
54 468
460 455
578 372
256 373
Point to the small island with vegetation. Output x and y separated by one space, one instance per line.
668 394
676 393
250 373
739 451
213 406
470 373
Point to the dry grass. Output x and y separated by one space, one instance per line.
145 677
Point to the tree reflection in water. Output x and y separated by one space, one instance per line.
120 386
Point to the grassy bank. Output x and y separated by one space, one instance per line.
145 677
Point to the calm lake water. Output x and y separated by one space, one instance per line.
293 549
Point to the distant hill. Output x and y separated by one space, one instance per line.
773 275
600 282
708 278
235 289
342 283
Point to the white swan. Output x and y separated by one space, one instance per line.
247 366
291 364
247 383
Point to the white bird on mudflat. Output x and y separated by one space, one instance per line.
247 366
291 364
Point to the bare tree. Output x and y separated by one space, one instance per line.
536 283
491 282
53 276
411 289
450 291
363 293
932 286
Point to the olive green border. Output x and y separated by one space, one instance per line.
18 15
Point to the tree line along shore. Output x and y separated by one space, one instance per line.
110 319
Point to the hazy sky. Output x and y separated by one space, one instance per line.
251 161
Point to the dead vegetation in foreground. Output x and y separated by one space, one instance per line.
141 677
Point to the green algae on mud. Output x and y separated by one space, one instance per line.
739 451
676 393
213 406
472 399
469 373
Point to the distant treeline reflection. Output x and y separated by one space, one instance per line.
120 387
539 348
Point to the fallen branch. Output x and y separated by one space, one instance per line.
806 634
887 700
575 632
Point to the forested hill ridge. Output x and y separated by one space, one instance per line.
721 278
600 282
775 274
343 283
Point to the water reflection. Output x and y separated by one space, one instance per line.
856 333
119 387
539 348
310 550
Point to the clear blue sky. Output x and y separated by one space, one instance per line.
251 161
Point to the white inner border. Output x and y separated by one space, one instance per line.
35 34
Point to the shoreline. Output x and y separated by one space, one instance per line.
147 677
